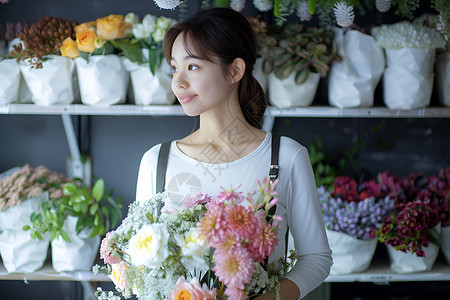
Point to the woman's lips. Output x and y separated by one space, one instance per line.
185 99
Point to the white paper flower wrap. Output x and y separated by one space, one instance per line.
52 84
149 246
103 80
443 78
352 81
10 80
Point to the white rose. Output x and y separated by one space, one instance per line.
149 23
131 18
163 23
149 246
193 250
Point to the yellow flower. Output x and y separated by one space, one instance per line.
69 48
113 27
86 41
84 26
118 275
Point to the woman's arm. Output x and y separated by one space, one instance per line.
288 291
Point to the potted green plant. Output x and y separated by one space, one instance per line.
75 223
295 57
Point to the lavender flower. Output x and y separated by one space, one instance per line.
356 219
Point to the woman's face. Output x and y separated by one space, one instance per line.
199 85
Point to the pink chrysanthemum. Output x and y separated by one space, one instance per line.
230 195
196 199
226 242
264 241
234 268
106 251
241 220
210 224
235 293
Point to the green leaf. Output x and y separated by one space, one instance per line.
130 50
93 209
38 235
53 235
98 189
94 232
26 228
65 236
97 220
302 76
154 59
33 234
70 189
276 7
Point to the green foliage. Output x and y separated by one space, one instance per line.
94 210
297 49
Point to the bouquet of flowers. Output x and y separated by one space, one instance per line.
219 242
354 209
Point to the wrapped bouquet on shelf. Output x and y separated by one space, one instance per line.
151 76
74 223
47 73
102 78
410 49
9 85
350 212
22 191
411 232
352 81
296 57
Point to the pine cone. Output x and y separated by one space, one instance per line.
43 38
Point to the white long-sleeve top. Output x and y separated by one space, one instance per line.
298 201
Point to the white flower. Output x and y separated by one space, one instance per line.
168 4
193 250
344 14
263 5
149 23
149 246
118 275
158 35
164 23
131 18
139 31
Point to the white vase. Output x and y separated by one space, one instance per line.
407 262
149 89
10 81
103 80
408 78
20 253
445 243
352 81
51 84
79 254
350 255
443 78
286 93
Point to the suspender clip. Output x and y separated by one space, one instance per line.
273 173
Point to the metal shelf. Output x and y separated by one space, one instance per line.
176 110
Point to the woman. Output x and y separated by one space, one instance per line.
212 56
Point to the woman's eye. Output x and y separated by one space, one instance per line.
174 69
192 67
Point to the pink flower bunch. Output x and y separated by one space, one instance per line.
409 228
240 234
106 251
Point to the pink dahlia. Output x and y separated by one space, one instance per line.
196 199
234 268
264 242
106 251
230 195
210 224
235 293
241 220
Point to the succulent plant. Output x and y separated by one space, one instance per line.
297 49
43 38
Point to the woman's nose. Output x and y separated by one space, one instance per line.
179 80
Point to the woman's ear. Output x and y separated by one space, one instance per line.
237 69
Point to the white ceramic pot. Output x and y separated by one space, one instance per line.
79 254
259 75
20 253
445 243
51 84
350 255
286 93
103 81
407 262
10 81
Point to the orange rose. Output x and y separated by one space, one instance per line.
84 26
69 48
86 41
113 27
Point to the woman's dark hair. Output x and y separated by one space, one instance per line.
226 34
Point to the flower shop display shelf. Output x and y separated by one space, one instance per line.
379 272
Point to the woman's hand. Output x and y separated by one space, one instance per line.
288 291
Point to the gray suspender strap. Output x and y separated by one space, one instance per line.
161 168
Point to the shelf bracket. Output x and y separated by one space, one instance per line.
76 168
